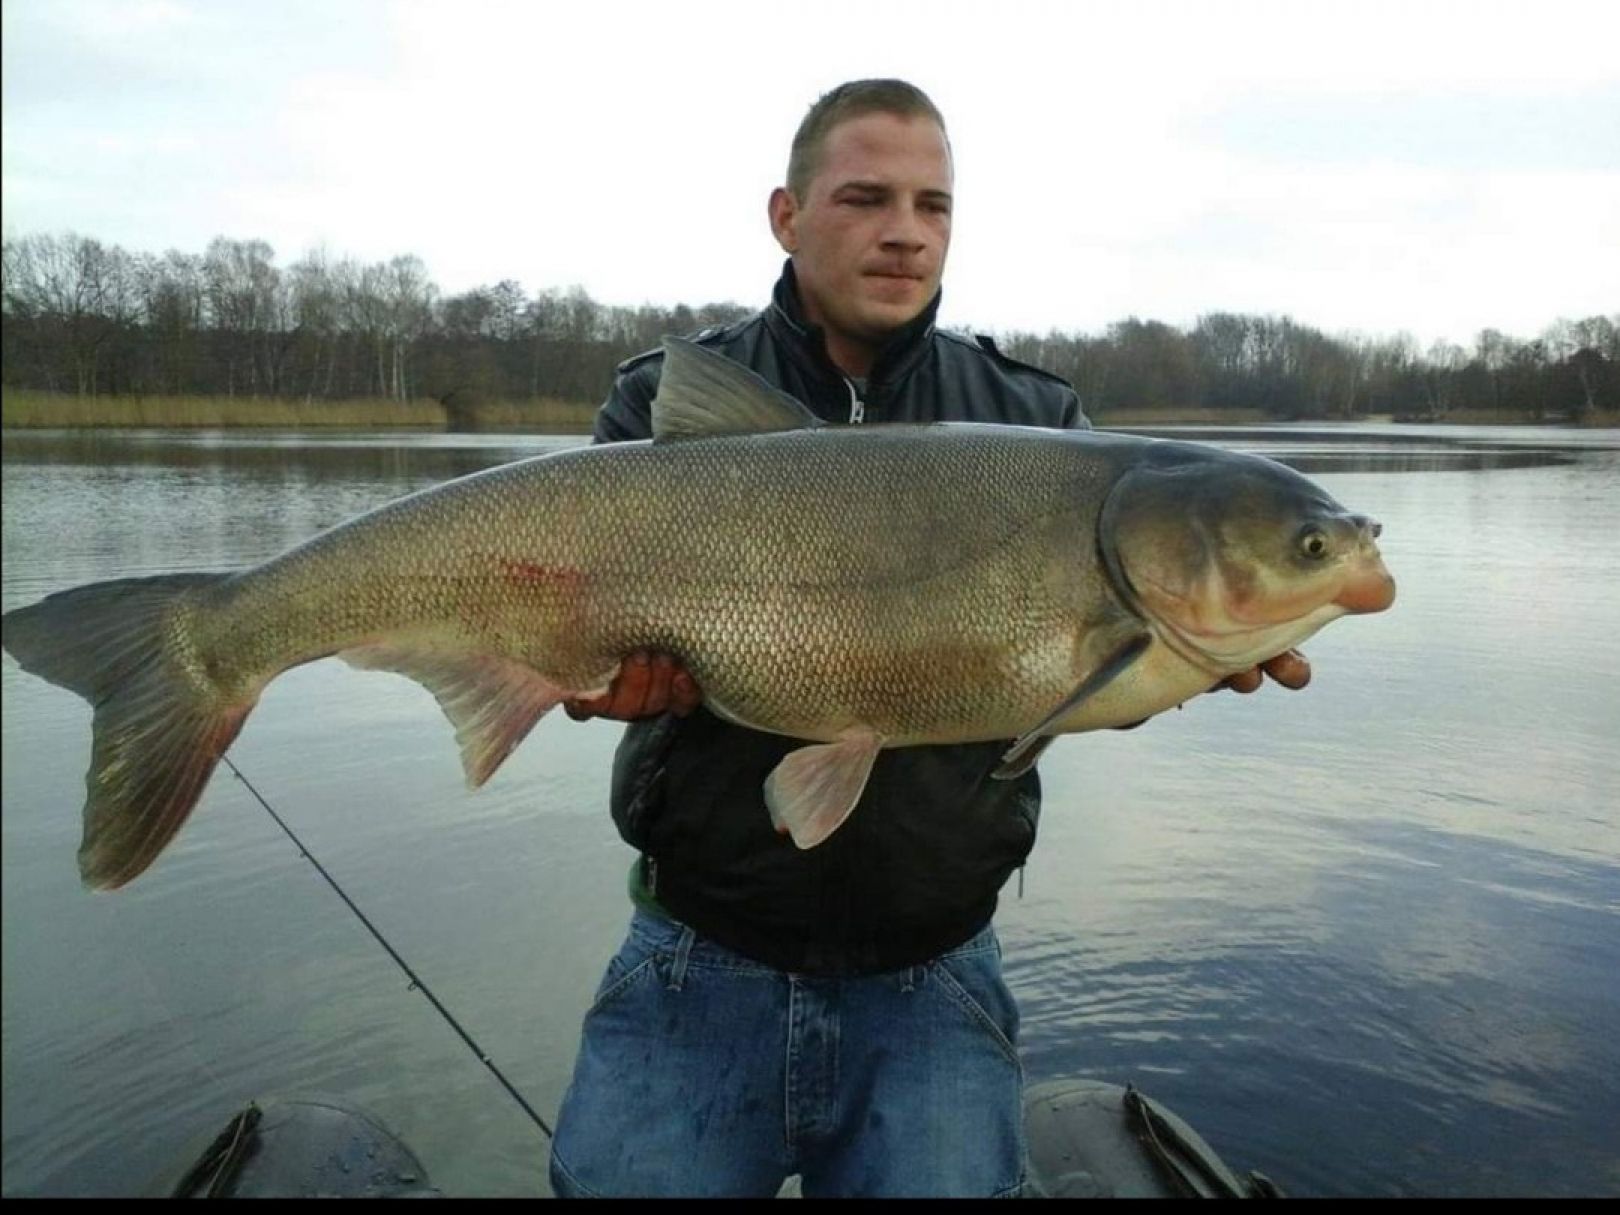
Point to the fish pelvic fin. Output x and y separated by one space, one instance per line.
159 726
493 702
812 791
702 392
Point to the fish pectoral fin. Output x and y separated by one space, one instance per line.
493 702
702 392
1027 748
1013 766
811 792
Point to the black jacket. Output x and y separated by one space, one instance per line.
916 868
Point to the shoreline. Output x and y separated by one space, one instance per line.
33 410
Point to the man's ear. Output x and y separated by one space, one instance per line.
784 212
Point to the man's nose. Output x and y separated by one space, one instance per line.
905 229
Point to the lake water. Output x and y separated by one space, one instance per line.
1365 937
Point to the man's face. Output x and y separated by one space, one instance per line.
869 239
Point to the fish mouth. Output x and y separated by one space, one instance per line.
1370 587
1372 590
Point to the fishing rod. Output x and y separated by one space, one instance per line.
416 982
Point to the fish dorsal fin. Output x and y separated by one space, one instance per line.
493 702
701 392
811 792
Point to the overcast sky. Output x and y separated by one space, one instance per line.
1429 167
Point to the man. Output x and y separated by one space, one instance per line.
839 1012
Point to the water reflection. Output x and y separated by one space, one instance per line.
418 458
1357 433
1377 997
424 458
1402 449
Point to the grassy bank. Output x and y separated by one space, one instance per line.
1126 419
23 408
28 409
1169 416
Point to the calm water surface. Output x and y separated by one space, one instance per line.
1364 937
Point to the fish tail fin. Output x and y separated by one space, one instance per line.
159 726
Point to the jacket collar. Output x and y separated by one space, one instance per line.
898 356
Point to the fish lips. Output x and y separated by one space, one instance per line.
1370 589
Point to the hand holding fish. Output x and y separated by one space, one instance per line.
648 683
1290 668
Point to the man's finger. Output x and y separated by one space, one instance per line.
1290 668
646 685
625 694
660 674
629 691
583 708
1243 681
685 695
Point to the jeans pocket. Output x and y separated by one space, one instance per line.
973 981
636 957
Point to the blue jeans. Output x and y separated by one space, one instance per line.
701 1072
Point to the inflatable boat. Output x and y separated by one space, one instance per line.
1087 1139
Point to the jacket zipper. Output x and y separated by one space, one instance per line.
857 407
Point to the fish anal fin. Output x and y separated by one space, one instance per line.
492 701
812 791
1021 756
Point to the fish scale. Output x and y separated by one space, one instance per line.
832 597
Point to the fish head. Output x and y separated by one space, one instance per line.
1235 558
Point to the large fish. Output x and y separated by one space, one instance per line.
857 587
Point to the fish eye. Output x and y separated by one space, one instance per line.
1313 543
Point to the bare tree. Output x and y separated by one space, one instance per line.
80 316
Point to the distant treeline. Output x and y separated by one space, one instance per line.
81 317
